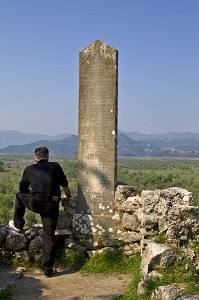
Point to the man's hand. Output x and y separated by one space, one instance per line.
66 192
64 201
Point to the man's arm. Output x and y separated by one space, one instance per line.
63 182
66 192
24 183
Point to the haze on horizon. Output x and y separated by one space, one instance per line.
158 48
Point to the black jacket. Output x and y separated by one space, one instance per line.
43 177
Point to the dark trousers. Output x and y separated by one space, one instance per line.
48 211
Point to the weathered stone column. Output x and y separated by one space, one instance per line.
98 93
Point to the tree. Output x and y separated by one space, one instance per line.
2 169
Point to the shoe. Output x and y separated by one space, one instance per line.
53 273
12 226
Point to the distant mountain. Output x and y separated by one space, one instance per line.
166 140
14 137
126 147
129 147
137 136
66 146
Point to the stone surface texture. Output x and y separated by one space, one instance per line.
97 139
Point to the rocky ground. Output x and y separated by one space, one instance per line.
67 284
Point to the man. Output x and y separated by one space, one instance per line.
44 178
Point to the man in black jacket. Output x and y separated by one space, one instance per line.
40 192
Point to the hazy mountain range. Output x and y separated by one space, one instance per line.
171 144
14 137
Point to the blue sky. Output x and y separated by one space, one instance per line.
158 47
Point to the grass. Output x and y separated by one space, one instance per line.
5 294
73 260
108 263
196 246
179 276
160 173
28 264
131 293
160 238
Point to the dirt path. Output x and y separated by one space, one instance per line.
66 285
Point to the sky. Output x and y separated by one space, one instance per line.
158 62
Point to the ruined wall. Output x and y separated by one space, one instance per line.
143 218
139 219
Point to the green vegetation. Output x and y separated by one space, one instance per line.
196 246
1 167
141 173
108 263
6 294
6 208
73 260
19 262
182 273
131 292
159 173
160 238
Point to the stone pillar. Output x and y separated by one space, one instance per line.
98 93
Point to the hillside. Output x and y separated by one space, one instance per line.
14 137
154 147
66 146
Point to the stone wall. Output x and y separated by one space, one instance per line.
139 220
144 218
166 216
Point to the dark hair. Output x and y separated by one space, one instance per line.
41 152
